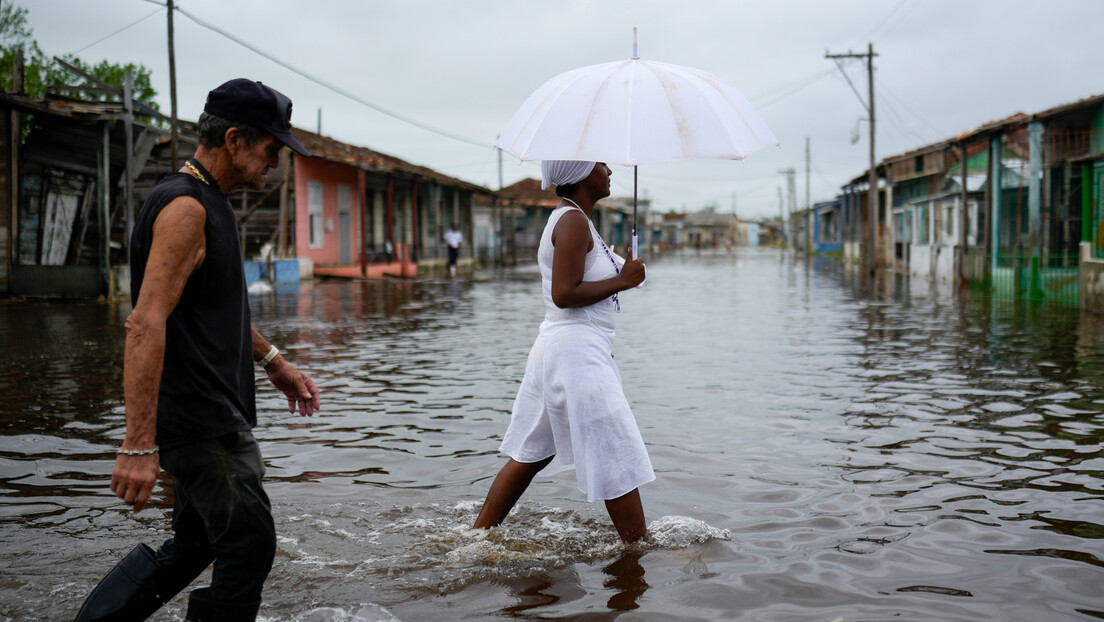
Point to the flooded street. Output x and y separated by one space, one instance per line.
822 453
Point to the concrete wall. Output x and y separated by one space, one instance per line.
1092 280
945 263
934 262
920 261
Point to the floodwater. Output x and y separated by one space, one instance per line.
823 452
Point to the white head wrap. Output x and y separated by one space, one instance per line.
560 172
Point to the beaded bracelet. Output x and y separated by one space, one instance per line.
138 452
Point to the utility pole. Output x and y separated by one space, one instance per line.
496 220
172 89
782 216
808 202
870 213
791 200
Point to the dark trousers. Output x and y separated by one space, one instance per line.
222 514
453 255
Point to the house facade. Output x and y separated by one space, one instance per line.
363 214
68 192
1011 208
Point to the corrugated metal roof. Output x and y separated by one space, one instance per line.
64 107
990 127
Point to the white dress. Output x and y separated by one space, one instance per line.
571 403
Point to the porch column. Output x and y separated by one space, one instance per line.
390 220
963 224
1034 206
364 197
414 220
104 206
1088 219
995 200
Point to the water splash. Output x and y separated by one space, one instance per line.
370 612
679 532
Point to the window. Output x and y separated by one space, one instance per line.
314 213
344 198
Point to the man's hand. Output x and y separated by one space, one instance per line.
134 477
295 385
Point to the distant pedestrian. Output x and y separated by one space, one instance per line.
188 375
453 238
570 411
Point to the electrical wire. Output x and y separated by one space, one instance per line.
798 88
885 19
788 85
901 101
106 37
921 139
899 124
852 85
327 85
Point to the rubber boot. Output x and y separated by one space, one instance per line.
126 593
202 609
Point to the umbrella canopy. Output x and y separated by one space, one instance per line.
635 112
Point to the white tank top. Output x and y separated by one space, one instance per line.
598 267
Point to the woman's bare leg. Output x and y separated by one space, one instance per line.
507 488
628 516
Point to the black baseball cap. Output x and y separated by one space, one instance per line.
252 103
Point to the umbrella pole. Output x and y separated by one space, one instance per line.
635 250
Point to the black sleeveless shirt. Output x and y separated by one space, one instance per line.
207 384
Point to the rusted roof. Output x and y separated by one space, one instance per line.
64 107
989 127
370 160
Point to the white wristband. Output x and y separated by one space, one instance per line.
272 352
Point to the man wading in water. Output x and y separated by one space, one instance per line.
188 375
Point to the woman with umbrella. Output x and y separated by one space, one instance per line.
570 411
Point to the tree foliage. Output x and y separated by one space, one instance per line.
42 74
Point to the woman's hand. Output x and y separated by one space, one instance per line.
632 273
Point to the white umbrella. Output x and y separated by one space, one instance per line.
635 112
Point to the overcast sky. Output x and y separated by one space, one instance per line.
462 67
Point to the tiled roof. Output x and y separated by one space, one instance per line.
374 161
528 192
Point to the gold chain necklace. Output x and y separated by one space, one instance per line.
195 170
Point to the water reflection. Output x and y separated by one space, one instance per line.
888 452
626 576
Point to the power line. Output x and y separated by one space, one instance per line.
332 87
851 84
904 105
798 88
106 37
885 19
899 123
783 87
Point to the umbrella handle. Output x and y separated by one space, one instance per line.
635 248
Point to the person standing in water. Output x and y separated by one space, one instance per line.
188 378
453 238
571 411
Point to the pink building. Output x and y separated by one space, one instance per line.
361 213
